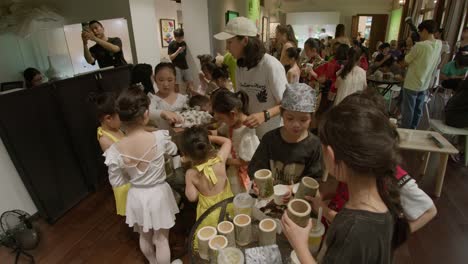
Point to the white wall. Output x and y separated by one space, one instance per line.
11 63
147 42
346 8
312 18
217 10
197 36
13 194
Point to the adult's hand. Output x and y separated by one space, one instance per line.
88 35
84 37
254 120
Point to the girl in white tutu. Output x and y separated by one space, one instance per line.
151 206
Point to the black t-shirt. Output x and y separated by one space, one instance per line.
357 236
107 58
456 109
179 61
288 162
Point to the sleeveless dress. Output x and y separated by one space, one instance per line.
120 192
150 202
205 202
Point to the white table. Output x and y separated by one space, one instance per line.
419 140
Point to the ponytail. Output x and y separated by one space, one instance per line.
353 57
225 101
390 194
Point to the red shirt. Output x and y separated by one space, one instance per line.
329 70
363 63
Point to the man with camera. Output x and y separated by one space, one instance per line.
107 51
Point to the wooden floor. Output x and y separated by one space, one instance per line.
93 233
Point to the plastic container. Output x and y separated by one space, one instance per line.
315 237
243 203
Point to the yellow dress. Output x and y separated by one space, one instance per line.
205 202
120 192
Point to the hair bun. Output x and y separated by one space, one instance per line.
201 146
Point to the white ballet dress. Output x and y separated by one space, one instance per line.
150 202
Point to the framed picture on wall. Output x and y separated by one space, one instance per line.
264 28
166 28
230 15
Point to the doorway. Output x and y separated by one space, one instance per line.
371 27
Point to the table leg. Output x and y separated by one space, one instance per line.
441 174
426 159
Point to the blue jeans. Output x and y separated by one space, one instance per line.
411 108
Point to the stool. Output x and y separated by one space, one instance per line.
441 127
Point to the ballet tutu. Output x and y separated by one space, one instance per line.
152 207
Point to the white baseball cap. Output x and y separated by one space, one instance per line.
239 26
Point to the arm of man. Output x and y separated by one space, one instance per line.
109 46
85 36
173 51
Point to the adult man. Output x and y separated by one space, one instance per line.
177 50
323 34
422 61
107 51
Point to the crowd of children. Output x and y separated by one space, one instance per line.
266 112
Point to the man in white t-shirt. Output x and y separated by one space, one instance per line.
258 74
422 61
323 34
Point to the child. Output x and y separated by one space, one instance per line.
139 159
361 149
293 72
221 78
201 102
206 181
231 110
107 134
166 101
418 207
352 78
312 49
291 151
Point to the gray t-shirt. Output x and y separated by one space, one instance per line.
357 236
288 162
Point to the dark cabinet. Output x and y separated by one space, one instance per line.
50 135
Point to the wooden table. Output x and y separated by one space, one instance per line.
419 140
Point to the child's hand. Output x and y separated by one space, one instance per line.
297 236
255 189
316 202
288 196
171 117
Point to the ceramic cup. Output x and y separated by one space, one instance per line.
280 192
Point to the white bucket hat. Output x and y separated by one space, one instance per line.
239 26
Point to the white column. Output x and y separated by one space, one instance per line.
196 29
145 31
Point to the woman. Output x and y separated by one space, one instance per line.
340 35
259 74
285 37
352 78
372 224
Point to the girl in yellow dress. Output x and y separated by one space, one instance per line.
206 181
107 134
